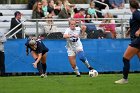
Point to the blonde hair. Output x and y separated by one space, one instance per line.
92 4
109 15
71 19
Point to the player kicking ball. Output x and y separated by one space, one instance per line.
39 52
74 46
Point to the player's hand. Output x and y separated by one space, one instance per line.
34 65
137 33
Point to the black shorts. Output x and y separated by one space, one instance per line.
135 42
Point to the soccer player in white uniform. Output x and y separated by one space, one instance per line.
74 46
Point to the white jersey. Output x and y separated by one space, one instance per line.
75 46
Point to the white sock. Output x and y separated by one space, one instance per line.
86 63
76 70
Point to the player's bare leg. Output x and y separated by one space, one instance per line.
129 53
72 60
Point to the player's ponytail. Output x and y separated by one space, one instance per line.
27 51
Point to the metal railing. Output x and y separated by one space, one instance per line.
37 24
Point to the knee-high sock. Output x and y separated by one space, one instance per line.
76 70
44 67
83 58
126 68
39 67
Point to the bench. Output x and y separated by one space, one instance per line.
8 18
13 6
11 12
124 16
117 11
4 30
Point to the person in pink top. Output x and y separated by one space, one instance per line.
80 14
108 25
79 21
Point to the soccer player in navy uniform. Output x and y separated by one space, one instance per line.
74 46
134 47
39 53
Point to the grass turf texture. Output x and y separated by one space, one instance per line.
104 83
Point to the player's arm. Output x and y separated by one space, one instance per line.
66 34
138 33
39 58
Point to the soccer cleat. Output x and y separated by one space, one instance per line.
90 68
45 75
121 81
42 75
78 75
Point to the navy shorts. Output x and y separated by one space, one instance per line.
135 42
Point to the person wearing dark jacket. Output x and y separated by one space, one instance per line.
65 12
2 55
14 22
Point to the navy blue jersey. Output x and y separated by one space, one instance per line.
41 48
134 23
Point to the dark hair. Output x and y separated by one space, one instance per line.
86 17
134 4
82 9
17 13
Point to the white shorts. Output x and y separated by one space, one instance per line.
72 52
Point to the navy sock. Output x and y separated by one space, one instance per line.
44 67
126 68
39 67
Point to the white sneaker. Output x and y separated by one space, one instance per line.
42 75
45 75
121 81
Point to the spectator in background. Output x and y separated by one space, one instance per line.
2 55
58 7
67 3
45 7
80 19
14 22
51 7
50 28
101 6
91 29
65 12
91 10
108 25
72 7
117 4
31 3
37 11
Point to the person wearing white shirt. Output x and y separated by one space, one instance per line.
74 46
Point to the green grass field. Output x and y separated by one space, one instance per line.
104 83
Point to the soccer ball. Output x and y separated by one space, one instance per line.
93 73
